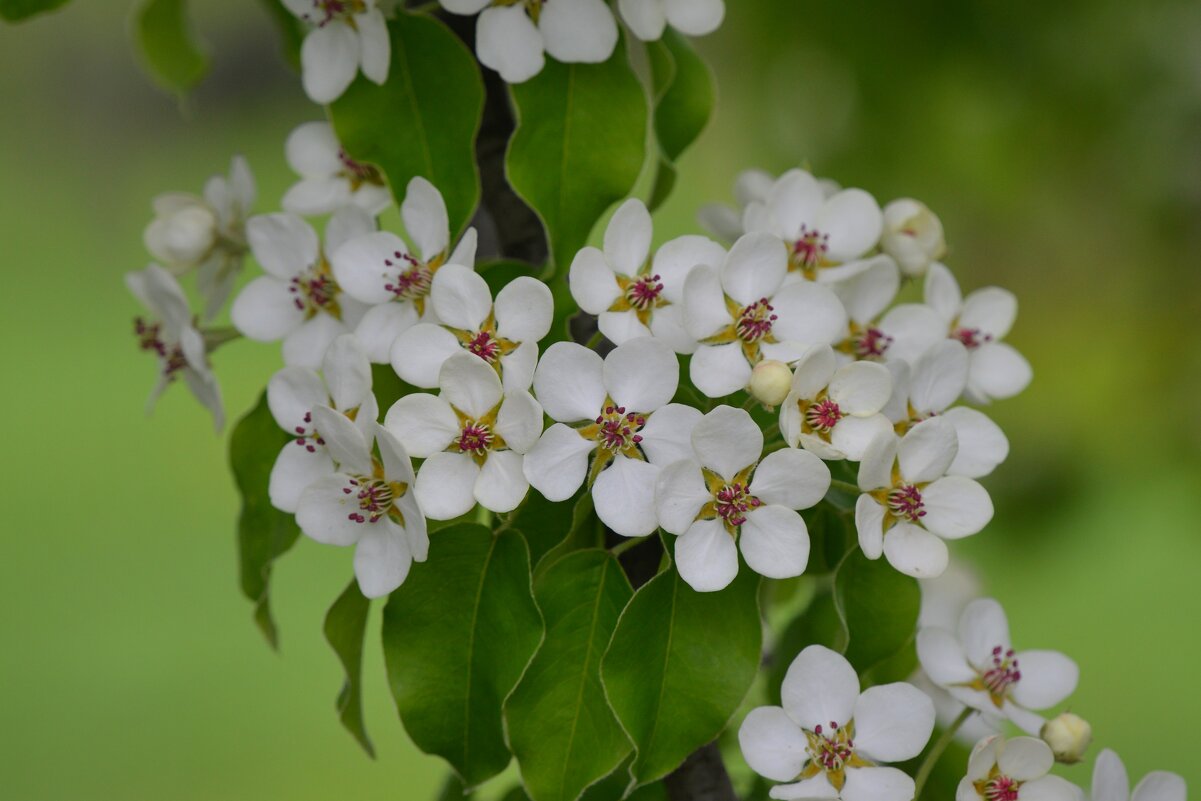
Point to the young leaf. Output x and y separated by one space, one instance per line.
172 54
561 730
679 665
264 532
879 606
17 10
684 99
458 635
424 119
345 625
579 146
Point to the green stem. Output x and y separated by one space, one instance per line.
844 486
931 759
626 545
750 402
595 340
216 337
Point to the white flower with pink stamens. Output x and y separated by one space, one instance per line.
1112 783
369 503
298 300
381 270
834 412
473 437
980 321
910 505
648 18
614 428
347 35
912 236
727 496
981 669
292 395
743 312
865 294
329 178
829 739
632 294
1017 769
504 334
172 337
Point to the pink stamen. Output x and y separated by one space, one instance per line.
484 346
811 247
733 501
871 343
972 338
644 293
755 321
313 291
1003 674
475 439
906 502
619 428
823 415
374 496
1001 788
412 282
832 751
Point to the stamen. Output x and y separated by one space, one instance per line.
872 343
375 498
755 321
618 429
733 501
823 415
809 250
314 291
906 502
831 750
475 438
1003 674
412 282
1000 788
644 293
971 338
485 346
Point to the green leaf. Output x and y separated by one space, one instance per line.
579 146
291 31
586 531
879 606
830 535
172 54
684 100
345 625
544 524
613 788
458 635
17 10
818 624
679 665
264 532
423 121
560 727
500 272
453 790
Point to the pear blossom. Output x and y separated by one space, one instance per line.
514 36
329 178
504 334
292 395
980 668
865 294
298 300
634 295
727 492
614 427
980 321
725 222
1017 769
1111 782
912 235
206 233
380 270
648 18
742 312
347 35
369 503
828 739
834 412
172 337
473 437
909 505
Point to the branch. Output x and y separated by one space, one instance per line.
702 777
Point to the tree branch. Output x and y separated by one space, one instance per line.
702 777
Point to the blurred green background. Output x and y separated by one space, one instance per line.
1059 142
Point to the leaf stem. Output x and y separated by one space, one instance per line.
625 545
923 773
595 340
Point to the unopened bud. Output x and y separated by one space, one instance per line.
770 382
912 235
1068 735
183 236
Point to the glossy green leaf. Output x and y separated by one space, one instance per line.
172 54
579 146
17 10
586 531
345 625
424 119
560 727
264 532
613 788
679 665
879 606
453 790
684 100
458 635
831 535
818 624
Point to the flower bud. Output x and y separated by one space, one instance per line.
183 234
770 382
912 235
1068 735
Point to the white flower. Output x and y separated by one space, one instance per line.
980 321
205 233
512 36
347 35
866 291
368 503
909 505
292 395
1111 783
504 335
634 296
616 413
980 668
725 222
726 491
648 18
1013 770
298 299
172 337
743 313
472 437
831 737
834 412
912 235
330 179
380 270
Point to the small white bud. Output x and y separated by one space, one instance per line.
183 236
1068 735
770 382
912 235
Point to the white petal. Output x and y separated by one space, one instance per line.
1048 677
1160 785
329 59
470 385
578 30
501 485
446 485
927 450
675 260
914 329
524 309
312 149
416 531
1050 788
348 222
624 495
704 303
939 377
695 17
667 435
380 326
508 42
519 421
465 6
641 374
820 688
366 264
307 343
853 221
680 492
265 311
344 441
558 463
620 327
982 443
808 313
813 371
423 423
893 722
646 18
464 252
875 469
295 469
942 657
324 508
956 507
867 289
718 370
667 325
1110 781
818 787
568 383
941 292
628 237
791 201
372 198
775 542
982 627
375 50
292 393
347 372
517 368
726 441
851 436
997 372
869 525
877 783
1025 758
791 478
592 282
397 466
420 351
914 551
991 310
754 268
861 388
706 556
424 214
460 297
720 220
382 559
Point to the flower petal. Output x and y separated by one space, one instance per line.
294 470
382 559
425 218
347 372
519 420
460 297
942 657
558 462
718 370
808 313
867 289
646 18
667 435
982 627
676 259
772 744
344 441
982 443
939 377
517 368
1160 785
568 383
1025 758
264 310
420 351
875 469
347 223
706 556
914 329
620 327
446 485
508 41
791 478
1048 677
624 494
380 326
792 201
365 264
312 149
775 542
524 309
813 371
628 237
877 783
727 440
501 485
641 374
423 423
914 551
851 436
680 492
997 372
695 17
991 311
578 31
869 525
956 507
893 722
941 293
324 508
754 268
292 393
927 450
704 303
306 344
329 59
375 49
853 220
470 385
861 388
820 688
1110 781
1050 788
592 282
